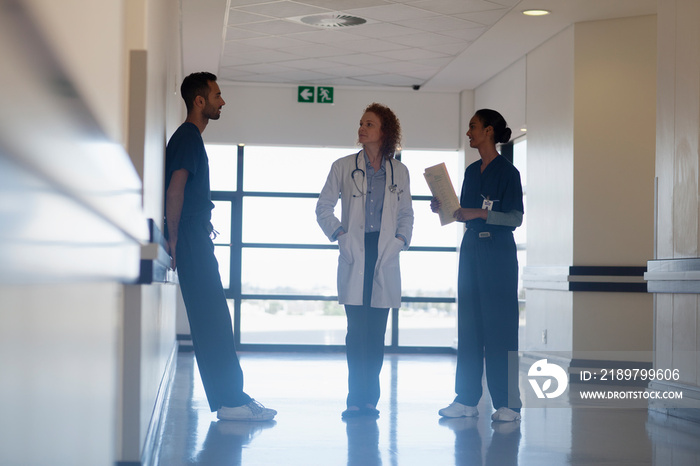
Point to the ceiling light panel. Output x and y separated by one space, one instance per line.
485 18
455 7
243 17
371 46
391 13
342 5
276 27
283 9
438 24
323 36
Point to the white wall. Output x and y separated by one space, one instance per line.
614 141
550 147
154 107
59 349
677 325
507 93
65 334
271 115
88 39
590 120
149 317
146 350
615 118
619 323
469 155
678 134
549 96
61 323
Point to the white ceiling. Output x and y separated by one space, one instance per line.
440 45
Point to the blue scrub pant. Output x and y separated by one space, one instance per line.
487 319
208 315
364 342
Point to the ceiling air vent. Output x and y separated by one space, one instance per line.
332 20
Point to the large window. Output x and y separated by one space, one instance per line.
279 269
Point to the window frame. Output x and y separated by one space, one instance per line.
234 290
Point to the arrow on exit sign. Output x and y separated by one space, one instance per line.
306 94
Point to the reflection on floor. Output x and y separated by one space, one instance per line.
308 390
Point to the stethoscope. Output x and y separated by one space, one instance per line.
392 186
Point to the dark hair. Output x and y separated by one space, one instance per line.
501 131
196 84
391 129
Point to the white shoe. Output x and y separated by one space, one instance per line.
505 415
252 411
459 410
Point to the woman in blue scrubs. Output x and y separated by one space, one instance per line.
491 207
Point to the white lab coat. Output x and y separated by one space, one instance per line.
397 219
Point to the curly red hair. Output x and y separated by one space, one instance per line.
391 129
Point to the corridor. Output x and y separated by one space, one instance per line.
308 390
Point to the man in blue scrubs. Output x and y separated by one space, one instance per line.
188 213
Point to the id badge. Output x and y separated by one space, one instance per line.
487 205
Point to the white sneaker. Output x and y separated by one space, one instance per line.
505 415
459 410
252 411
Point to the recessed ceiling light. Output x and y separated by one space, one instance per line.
536 12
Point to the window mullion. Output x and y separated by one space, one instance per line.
235 285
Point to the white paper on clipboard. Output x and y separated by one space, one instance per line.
441 187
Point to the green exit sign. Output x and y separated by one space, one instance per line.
306 94
321 94
324 95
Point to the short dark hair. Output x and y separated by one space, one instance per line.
391 129
196 84
501 131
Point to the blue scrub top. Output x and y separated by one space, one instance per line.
186 150
500 183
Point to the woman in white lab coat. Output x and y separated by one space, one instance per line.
375 225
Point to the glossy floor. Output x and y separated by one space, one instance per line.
308 390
